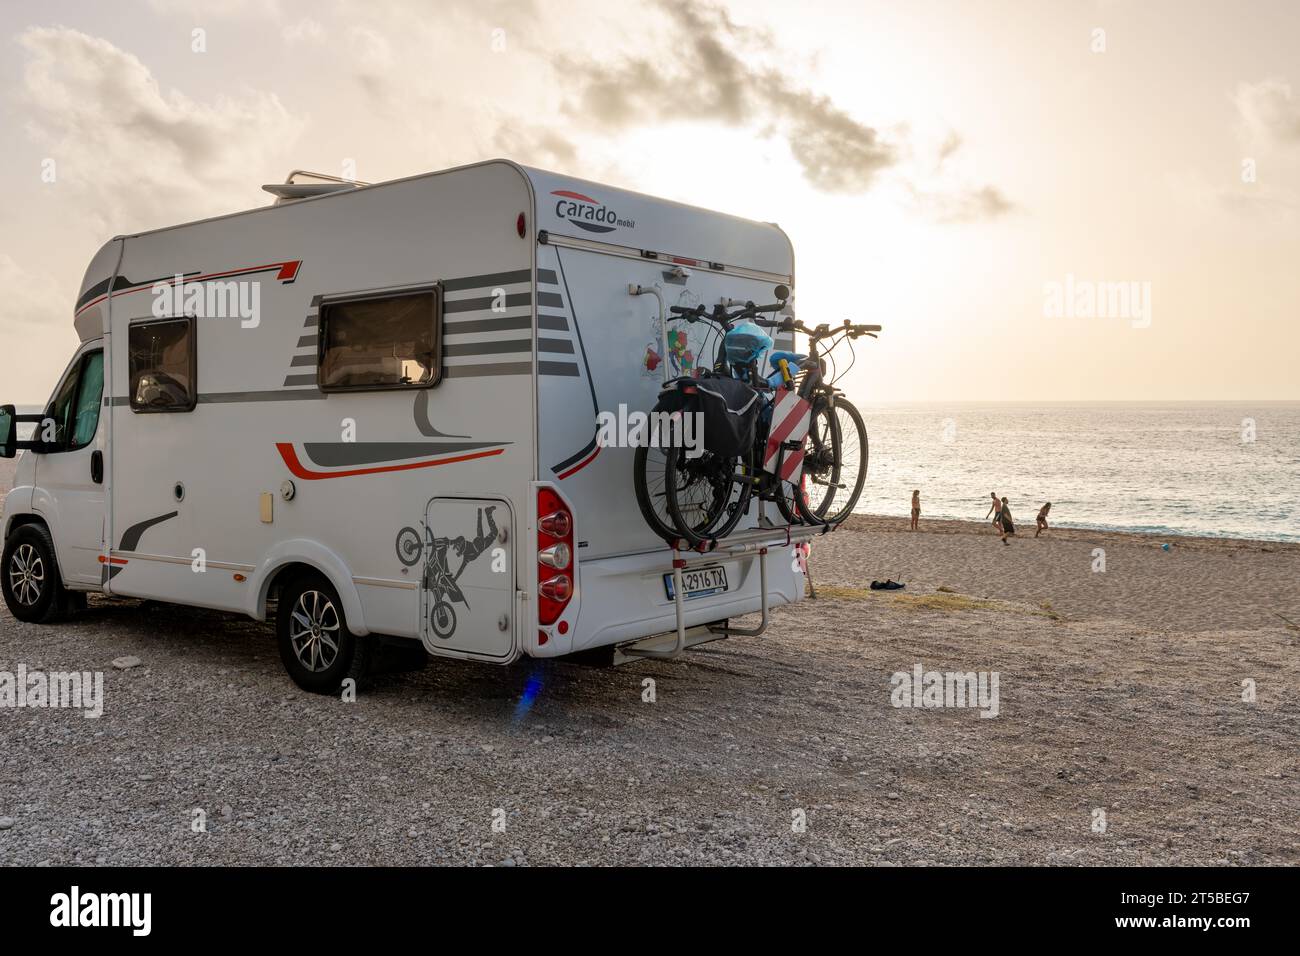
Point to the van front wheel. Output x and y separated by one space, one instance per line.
317 649
32 587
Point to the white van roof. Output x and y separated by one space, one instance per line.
585 210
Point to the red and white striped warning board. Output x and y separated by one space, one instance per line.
791 417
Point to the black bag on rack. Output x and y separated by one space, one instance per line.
729 408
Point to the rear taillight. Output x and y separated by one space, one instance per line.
554 556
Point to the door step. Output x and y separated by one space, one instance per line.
666 645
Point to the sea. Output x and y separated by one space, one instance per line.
1220 469
1223 469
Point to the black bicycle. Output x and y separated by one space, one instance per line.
703 497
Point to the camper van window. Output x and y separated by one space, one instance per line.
382 342
75 408
162 365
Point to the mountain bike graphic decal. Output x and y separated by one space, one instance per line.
438 578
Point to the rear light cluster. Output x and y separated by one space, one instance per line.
554 557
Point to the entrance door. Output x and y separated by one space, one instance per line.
467 589
70 473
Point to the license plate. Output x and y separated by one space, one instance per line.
699 582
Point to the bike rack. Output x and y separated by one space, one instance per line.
756 541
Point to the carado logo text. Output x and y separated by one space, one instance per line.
587 213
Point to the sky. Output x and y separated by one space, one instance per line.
1040 201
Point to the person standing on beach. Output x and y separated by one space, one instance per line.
916 507
993 510
1003 520
1042 518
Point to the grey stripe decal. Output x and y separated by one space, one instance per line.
491 279
487 325
300 380
336 454
422 421
279 395
558 368
132 535
311 323
307 340
557 323
547 276
486 348
500 368
550 298
303 360
555 345
486 302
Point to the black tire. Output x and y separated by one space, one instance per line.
310 599
850 455
726 498
33 587
648 480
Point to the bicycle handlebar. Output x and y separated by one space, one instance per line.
821 331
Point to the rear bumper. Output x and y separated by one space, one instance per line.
623 598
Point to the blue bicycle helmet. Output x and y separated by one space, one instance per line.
746 343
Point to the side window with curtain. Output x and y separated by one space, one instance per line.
382 341
76 405
163 365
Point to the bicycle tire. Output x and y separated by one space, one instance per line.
649 491
722 512
850 456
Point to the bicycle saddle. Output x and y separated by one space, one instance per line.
794 358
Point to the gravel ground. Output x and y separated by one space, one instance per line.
742 737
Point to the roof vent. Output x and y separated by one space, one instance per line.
301 184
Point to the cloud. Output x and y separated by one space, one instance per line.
1269 111
961 205
133 153
536 145
948 148
705 72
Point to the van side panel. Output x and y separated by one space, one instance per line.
363 465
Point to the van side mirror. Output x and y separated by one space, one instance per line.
9 443
8 431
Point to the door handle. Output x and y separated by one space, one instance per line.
97 466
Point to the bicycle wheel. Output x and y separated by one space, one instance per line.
648 479
835 462
706 496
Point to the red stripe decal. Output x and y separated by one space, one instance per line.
287 272
572 195
290 457
580 465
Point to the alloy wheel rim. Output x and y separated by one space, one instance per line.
26 575
314 629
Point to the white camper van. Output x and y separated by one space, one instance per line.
372 409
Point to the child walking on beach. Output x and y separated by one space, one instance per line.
1042 518
916 507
